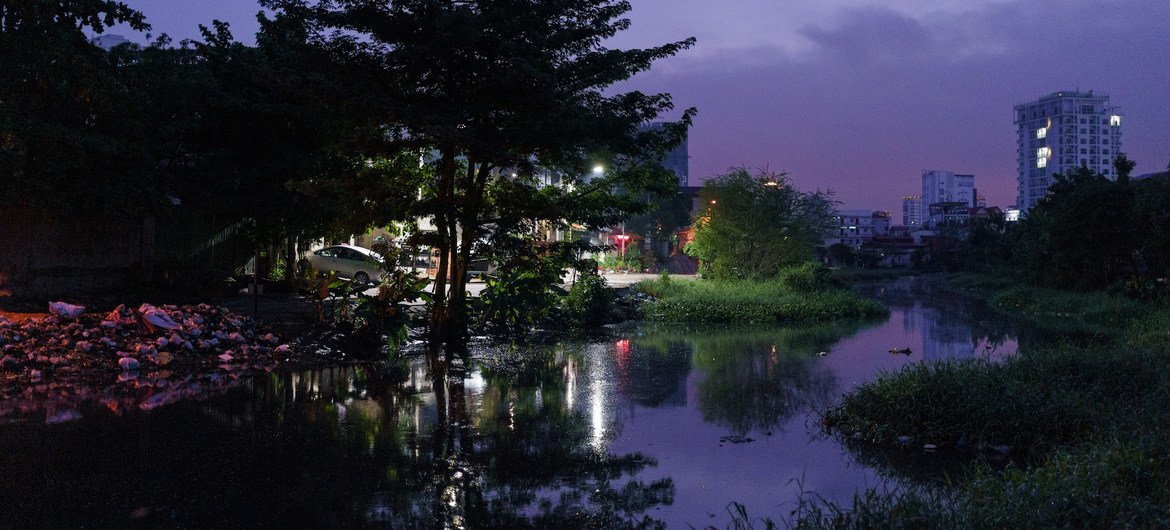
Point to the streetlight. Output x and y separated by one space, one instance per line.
598 169
622 239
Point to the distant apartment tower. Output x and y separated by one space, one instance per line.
912 211
677 160
1059 133
945 186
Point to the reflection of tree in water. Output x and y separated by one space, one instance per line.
332 447
755 377
657 373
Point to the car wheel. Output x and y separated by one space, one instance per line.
361 278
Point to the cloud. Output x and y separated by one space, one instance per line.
871 34
879 95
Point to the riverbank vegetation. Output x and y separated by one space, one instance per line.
798 294
1083 426
754 237
1080 424
430 123
1090 233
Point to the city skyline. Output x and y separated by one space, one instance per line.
861 98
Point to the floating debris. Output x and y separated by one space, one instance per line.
735 439
903 351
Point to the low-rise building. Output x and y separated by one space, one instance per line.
855 227
951 213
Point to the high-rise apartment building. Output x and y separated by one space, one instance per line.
912 211
1059 133
945 186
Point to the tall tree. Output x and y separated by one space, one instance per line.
494 88
1083 234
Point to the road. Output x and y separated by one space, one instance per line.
614 280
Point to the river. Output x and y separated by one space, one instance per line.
648 424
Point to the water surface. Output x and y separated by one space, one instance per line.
651 424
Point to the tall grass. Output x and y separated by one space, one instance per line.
1093 310
1033 402
751 302
1101 484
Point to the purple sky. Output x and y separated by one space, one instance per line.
861 97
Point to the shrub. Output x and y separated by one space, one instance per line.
807 277
588 303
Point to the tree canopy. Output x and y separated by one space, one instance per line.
753 225
497 93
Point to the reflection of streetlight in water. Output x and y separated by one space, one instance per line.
597 391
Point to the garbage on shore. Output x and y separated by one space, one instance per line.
147 348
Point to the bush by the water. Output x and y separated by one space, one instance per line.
808 278
588 303
754 301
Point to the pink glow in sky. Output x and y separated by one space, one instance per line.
861 97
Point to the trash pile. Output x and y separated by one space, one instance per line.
70 349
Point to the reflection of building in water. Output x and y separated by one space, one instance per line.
910 319
945 337
950 333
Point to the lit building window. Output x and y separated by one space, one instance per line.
1041 133
1043 152
1041 162
1115 120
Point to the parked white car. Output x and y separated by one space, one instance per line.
348 261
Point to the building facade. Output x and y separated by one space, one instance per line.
1059 133
946 186
677 160
108 41
912 211
857 227
949 213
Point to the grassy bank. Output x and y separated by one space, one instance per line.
1051 309
752 302
1086 425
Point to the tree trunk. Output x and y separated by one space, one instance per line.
444 221
290 258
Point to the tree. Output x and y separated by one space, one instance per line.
754 225
1083 234
65 140
494 89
